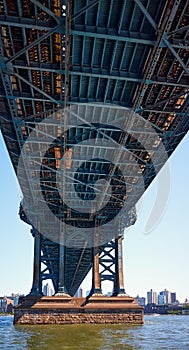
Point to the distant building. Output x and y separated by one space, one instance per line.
47 290
141 300
79 293
6 304
167 295
161 299
9 304
152 297
2 304
173 298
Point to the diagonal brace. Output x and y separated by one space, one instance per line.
84 9
45 9
36 88
35 42
146 14
166 41
164 38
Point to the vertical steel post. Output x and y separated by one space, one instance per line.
37 283
61 280
119 279
96 280
96 286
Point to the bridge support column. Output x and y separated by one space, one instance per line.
119 278
96 284
62 281
37 285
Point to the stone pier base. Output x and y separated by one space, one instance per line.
67 310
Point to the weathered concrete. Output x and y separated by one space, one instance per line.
65 310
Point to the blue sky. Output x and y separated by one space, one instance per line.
157 260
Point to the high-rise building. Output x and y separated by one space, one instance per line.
167 294
47 290
141 300
152 297
161 298
173 298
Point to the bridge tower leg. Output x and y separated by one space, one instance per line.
108 266
61 272
96 279
119 277
37 282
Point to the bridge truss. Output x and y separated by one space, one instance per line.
129 54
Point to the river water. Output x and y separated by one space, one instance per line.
158 332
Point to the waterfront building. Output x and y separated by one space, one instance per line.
161 298
2 304
47 290
6 304
173 298
152 297
141 300
167 294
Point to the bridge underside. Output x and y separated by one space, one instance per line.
122 55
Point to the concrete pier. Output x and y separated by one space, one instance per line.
68 310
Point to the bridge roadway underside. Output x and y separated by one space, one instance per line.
120 60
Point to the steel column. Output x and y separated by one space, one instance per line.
62 259
119 279
96 285
37 283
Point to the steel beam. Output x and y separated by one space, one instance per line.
42 67
178 30
117 76
26 98
163 111
105 36
166 83
181 46
22 22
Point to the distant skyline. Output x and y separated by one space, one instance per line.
158 260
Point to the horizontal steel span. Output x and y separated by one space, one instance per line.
93 100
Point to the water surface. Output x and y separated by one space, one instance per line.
158 332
